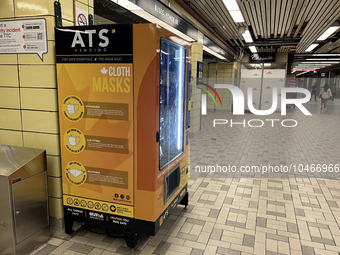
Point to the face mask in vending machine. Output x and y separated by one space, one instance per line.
124 94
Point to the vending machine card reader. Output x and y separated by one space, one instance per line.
123 94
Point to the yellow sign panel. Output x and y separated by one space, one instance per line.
98 206
96 130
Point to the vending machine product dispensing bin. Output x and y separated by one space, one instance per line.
124 94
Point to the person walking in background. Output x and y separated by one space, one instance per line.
333 92
325 94
313 91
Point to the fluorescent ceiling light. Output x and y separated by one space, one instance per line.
320 62
308 64
302 73
327 33
237 16
323 59
314 64
310 48
147 16
205 48
316 59
247 37
253 49
310 67
128 5
234 10
299 68
231 5
326 55
178 40
307 67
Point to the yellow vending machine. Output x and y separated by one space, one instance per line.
123 92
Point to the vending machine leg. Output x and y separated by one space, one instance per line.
185 200
68 226
131 239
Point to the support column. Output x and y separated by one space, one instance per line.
196 55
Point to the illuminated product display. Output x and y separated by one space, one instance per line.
124 124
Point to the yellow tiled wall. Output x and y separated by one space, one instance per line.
28 91
196 55
219 72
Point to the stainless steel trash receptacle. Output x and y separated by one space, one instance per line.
24 220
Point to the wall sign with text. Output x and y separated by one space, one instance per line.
26 36
262 57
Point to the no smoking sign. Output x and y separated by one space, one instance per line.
81 20
81 17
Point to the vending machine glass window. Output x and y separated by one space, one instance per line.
172 83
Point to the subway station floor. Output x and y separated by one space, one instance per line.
248 212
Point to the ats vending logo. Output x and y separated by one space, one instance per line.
86 37
238 104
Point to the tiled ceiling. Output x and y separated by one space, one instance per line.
275 25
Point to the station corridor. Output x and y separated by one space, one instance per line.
246 213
